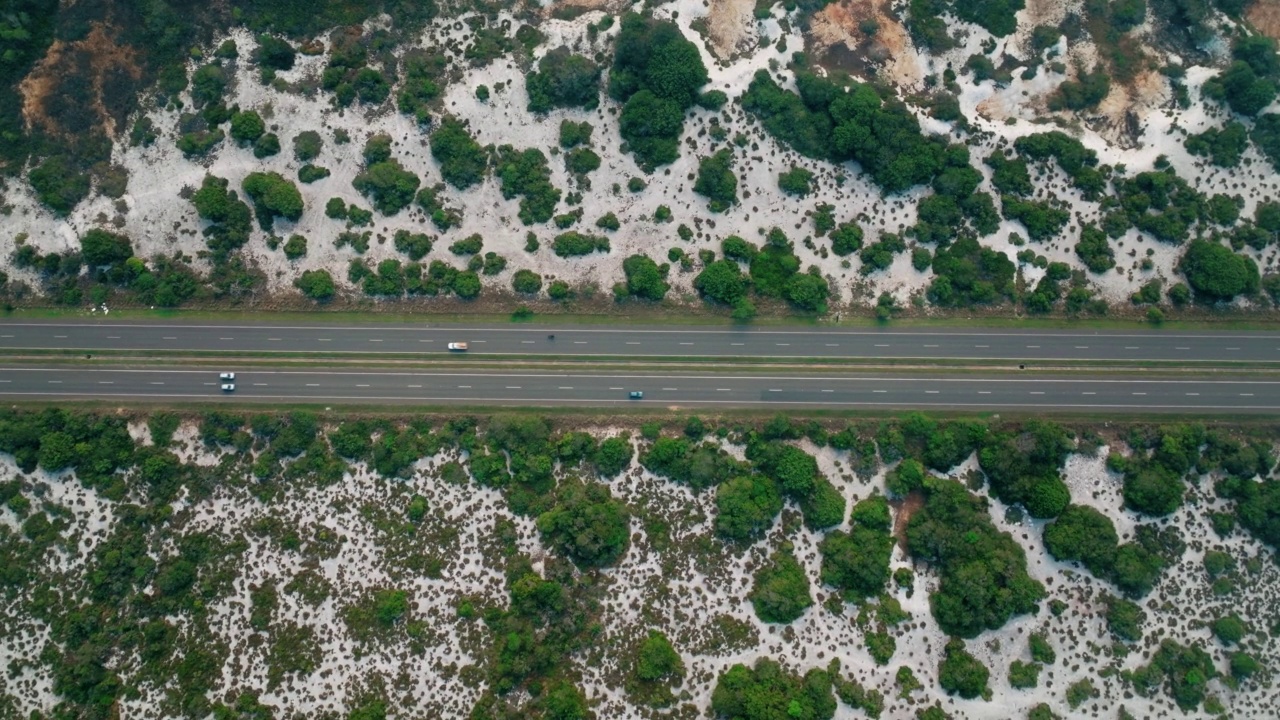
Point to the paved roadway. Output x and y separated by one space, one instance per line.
661 389
431 338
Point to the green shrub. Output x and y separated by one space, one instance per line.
573 134
470 245
1124 618
949 531
857 562
1024 675
415 245
721 281
316 284
525 174
308 173
526 282
645 278
247 126
831 122
295 247
1215 273
307 146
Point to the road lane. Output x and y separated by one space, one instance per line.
660 389
1028 346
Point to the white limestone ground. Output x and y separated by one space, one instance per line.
694 590
161 222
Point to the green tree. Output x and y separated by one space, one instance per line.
463 162
746 507
716 180
767 692
645 278
1215 273
100 248
780 591
587 525
563 79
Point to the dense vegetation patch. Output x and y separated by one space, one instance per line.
656 74
849 121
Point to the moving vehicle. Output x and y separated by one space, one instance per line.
228 387
227 377
637 395
461 347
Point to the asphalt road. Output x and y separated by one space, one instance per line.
661 389
888 343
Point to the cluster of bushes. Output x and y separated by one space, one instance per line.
1183 671
857 562
682 460
525 173
767 692
852 121
775 273
1084 535
1249 84
1078 162
423 70
1158 203
968 273
983 572
348 75
463 162
716 180
392 279
384 181
1223 146
442 216
272 195
943 215
574 244
1094 249
1043 219
563 79
1024 467
656 74
1086 91
586 524
780 589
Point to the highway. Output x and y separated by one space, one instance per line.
1028 346
665 390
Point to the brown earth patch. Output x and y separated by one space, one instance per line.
77 87
1265 16
836 34
905 507
730 25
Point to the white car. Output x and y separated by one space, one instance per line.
461 347
228 387
227 377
